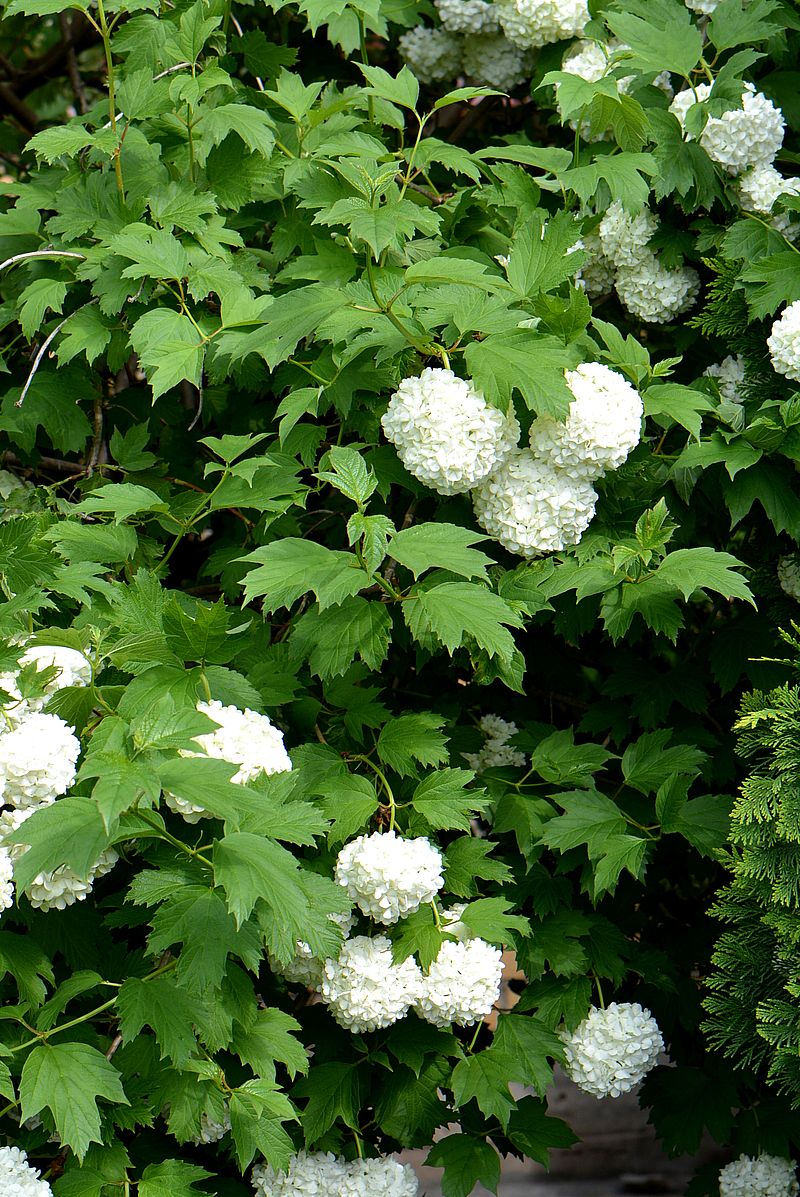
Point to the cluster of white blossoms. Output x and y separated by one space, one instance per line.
389 877
242 738
764 1176
38 756
212 1131
468 16
323 1174
490 58
788 572
445 432
613 1049
364 989
729 376
596 275
434 55
533 23
73 670
759 189
484 56
784 342
18 1178
644 286
462 985
63 887
747 136
496 750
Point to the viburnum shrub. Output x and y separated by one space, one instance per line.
399 495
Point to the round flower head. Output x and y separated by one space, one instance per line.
532 508
496 750
746 136
760 187
654 294
316 1175
532 23
596 275
729 375
603 425
63 887
467 16
623 237
462 985
37 760
784 342
242 738
492 59
364 989
445 432
789 576
389 877
382 1177
434 55
612 1049
18 1178
765 1176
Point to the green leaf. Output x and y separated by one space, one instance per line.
334 1091
533 1131
169 349
775 281
688 570
350 474
250 869
659 34
67 1079
540 257
622 173
484 1078
171 1178
330 640
40 296
254 126
680 404
122 500
271 1038
440 546
444 801
67 140
466 861
290 568
467 1161
735 23
69 832
257 1111
413 738
403 89
418 935
28 965
651 760
527 1042
166 1007
489 919
349 802
524 360
454 612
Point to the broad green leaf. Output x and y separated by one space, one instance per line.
171 1178
466 861
659 35
122 500
533 1131
349 802
40 296
522 360
409 740
166 1007
467 1161
444 801
271 1038
350 474
702 568
288 569
251 869
69 832
489 918
402 89
530 1045
744 23
543 254
454 613
169 348
67 1079
440 546
67 140
334 1091
330 640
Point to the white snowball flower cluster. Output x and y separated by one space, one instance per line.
596 275
789 576
765 1176
364 989
493 59
729 376
462 985
496 750
603 425
63 887
212 1131
18 1178
445 432
389 877
37 760
243 738
467 16
749 135
784 342
613 1049
73 670
532 508
6 879
325 1175
760 187
654 294
532 23
434 55
623 237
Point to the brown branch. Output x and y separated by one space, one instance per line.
24 115
76 82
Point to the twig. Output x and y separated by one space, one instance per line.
37 361
98 447
42 253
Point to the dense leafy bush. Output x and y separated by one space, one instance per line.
395 480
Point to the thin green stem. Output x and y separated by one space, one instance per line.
112 95
412 156
425 350
437 918
362 40
199 511
386 787
176 843
474 1039
190 135
600 996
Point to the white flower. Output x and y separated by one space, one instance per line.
364 989
467 16
63 887
789 576
73 668
603 425
212 1131
654 294
6 879
703 7
612 1049
305 968
749 135
531 507
760 187
389 877
325 1175
243 738
784 342
729 375
18 1178
685 99
490 58
765 1176
434 55
540 22
496 750
382 1177
624 237
596 275
37 760
462 985
445 432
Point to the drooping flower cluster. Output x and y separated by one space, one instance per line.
764 1176
746 136
64 887
645 287
18 1178
784 342
789 576
462 984
496 750
445 432
242 738
364 989
389 877
613 1049
533 23
325 1175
